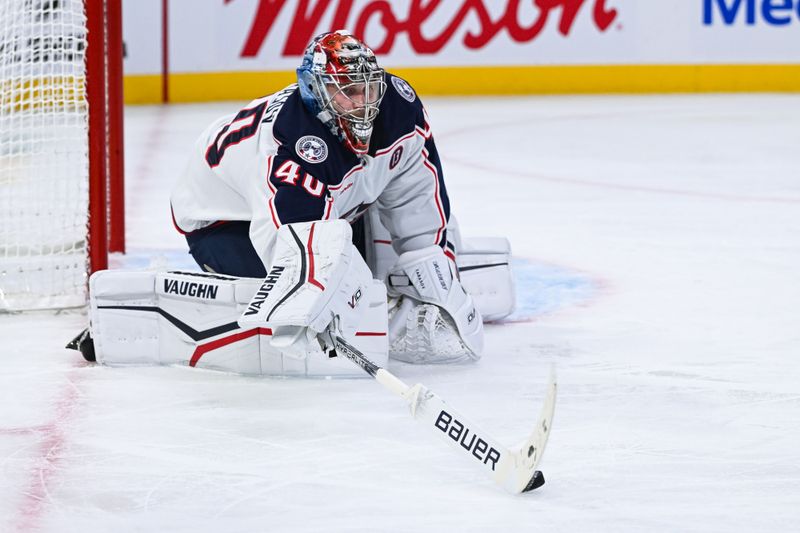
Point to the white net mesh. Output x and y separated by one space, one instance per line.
44 186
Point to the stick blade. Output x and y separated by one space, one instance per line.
527 477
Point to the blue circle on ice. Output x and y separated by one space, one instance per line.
543 288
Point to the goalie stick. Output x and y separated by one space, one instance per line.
513 469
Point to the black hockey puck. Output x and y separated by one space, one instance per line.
536 481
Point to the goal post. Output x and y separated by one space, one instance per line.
61 154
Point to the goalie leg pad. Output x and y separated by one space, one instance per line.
190 319
484 266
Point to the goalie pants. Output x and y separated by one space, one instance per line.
226 248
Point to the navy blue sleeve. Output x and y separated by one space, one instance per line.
298 196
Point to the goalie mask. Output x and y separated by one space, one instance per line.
341 83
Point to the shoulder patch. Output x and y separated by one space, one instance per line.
311 148
404 89
396 156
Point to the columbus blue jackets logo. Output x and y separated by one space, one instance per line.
312 149
404 89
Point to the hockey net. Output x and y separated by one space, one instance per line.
60 148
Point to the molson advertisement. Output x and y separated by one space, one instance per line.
238 49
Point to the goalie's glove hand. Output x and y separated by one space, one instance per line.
300 342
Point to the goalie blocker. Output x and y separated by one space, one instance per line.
271 326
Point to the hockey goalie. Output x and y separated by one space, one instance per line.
319 210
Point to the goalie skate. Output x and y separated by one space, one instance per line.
423 333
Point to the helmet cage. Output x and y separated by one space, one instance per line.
353 99
341 83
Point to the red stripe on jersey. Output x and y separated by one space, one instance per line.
275 220
203 349
328 208
271 202
378 241
212 225
398 141
432 168
349 173
174 222
426 133
370 333
311 279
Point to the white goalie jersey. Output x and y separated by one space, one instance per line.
275 163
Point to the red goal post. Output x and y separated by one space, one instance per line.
61 148
106 162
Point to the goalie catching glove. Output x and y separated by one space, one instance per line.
433 318
316 276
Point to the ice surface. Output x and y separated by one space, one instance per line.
657 244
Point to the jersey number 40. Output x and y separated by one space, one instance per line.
289 173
